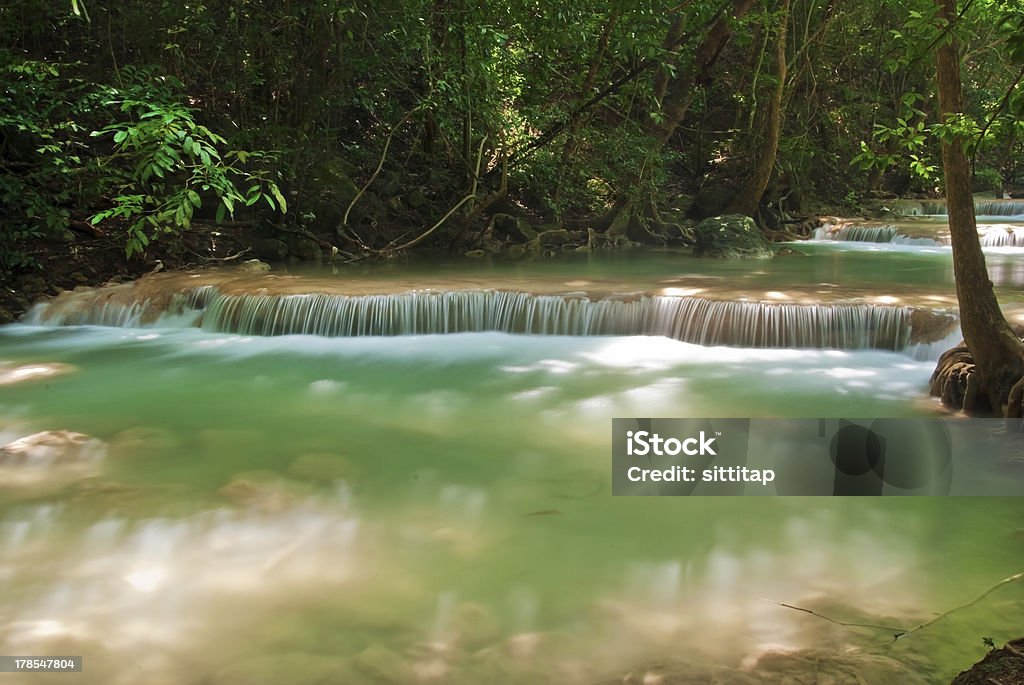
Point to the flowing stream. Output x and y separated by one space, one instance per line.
322 478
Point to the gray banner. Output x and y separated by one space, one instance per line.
40 664
840 457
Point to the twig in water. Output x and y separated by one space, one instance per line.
901 632
898 632
1005 581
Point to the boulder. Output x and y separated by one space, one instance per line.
513 228
730 237
553 236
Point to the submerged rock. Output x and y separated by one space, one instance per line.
803 667
19 373
142 441
292 668
730 237
263 491
52 459
379 664
322 468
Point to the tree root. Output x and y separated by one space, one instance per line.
958 384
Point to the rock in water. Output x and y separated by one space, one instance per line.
51 459
11 373
253 266
733 236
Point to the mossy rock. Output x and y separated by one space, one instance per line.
733 236
513 228
554 236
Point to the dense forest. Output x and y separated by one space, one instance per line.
341 128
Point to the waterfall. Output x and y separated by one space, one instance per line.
856 234
1001 208
696 320
689 319
870 234
1001 237
993 236
1005 208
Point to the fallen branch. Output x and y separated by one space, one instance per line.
1005 581
899 633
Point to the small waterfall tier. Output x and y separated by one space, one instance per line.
990 236
871 234
1008 209
691 319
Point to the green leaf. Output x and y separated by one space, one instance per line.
276 192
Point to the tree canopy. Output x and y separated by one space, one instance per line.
365 124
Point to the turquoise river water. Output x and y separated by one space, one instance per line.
437 509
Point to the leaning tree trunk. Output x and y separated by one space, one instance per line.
636 212
749 198
998 354
678 92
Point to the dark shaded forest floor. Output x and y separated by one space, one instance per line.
96 260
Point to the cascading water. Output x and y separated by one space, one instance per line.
689 319
1000 208
858 234
990 236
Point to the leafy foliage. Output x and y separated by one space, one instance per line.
164 161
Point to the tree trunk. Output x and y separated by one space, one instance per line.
749 198
679 91
998 354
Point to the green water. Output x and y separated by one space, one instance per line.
438 508
847 264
